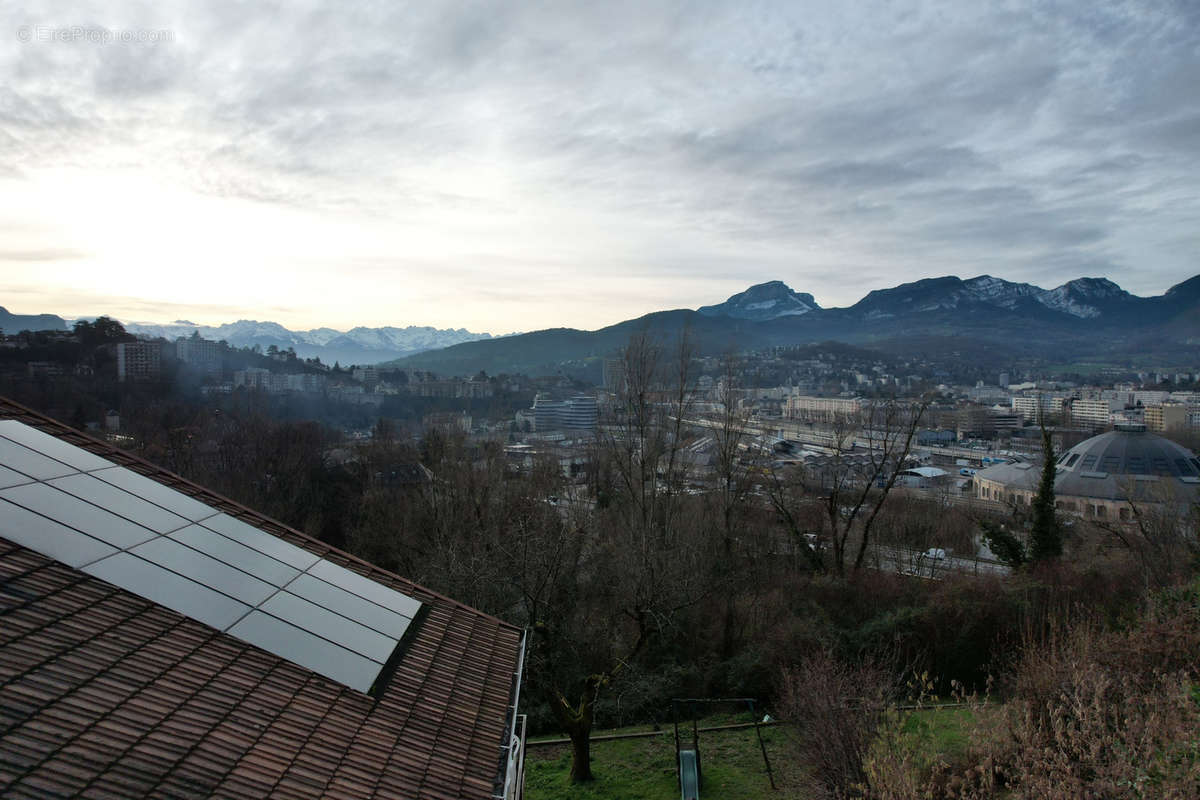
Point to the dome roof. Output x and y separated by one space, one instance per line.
1125 463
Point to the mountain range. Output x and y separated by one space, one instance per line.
356 346
1082 319
14 323
359 345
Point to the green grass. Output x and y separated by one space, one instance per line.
644 769
938 733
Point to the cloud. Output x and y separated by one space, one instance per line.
50 254
715 144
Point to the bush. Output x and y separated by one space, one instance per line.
1095 712
834 709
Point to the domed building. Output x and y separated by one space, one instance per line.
1098 477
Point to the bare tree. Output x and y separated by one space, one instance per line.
735 457
869 450
1159 527
604 582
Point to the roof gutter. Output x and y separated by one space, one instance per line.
511 751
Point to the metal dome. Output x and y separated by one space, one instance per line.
1127 463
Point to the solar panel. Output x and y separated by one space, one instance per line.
84 517
365 587
261 541
329 625
27 462
164 587
10 478
48 537
207 570
350 605
156 493
52 446
306 649
238 555
85 487
179 552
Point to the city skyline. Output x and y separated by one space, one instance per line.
522 169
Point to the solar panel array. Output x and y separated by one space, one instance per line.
110 522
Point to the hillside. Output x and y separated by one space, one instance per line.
1083 319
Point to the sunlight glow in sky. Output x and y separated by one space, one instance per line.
506 166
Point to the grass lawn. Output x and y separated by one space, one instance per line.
937 734
644 769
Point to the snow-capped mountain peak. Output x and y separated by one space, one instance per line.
1080 297
763 301
360 345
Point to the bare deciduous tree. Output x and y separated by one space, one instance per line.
869 450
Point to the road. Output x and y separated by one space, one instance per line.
914 562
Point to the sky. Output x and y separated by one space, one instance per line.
515 166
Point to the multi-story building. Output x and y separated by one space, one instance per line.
1032 406
305 382
1167 417
139 360
614 374
1093 413
252 378
368 375
1148 396
448 421
580 412
825 409
546 413
202 354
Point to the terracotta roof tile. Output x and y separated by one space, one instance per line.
106 694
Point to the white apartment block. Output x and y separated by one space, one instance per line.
800 406
1094 413
1032 406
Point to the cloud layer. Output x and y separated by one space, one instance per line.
514 165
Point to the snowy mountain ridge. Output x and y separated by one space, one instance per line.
361 345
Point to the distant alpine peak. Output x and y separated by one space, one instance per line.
1084 298
763 301
1094 287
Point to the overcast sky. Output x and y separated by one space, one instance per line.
517 166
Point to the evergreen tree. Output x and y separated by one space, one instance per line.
1008 548
1045 540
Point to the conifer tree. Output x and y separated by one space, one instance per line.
1045 539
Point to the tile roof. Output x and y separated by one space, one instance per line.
106 694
